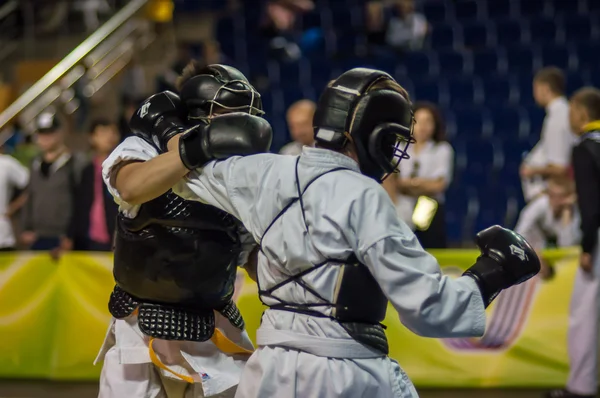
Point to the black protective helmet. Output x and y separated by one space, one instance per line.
378 122
220 89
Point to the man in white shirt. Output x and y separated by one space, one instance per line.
299 120
13 176
552 154
333 250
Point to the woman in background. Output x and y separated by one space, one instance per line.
427 173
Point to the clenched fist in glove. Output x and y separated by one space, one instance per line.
225 136
160 118
506 260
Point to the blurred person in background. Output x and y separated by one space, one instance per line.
128 108
300 123
427 173
396 24
279 26
95 211
584 118
168 79
552 154
551 220
14 178
48 212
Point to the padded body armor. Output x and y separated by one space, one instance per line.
176 262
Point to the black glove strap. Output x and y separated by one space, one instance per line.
168 127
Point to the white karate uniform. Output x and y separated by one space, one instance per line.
128 370
346 213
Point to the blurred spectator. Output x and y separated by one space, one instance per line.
95 211
91 9
300 123
396 24
26 151
551 220
48 213
427 173
551 155
166 81
279 26
584 119
133 82
13 178
129 106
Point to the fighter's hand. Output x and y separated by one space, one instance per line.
506 260
28 237
232 134
585 262
526 171
160 118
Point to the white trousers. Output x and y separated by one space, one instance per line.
276 372
583 331
144 380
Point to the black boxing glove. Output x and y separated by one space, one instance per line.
506 260
232 134
159 119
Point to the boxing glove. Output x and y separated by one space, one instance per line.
225 136
159 119
506 260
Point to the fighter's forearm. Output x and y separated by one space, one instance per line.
138 183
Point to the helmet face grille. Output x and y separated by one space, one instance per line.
395 149
239 89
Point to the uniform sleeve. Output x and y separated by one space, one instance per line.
133 148
231 185
18 174
558 139
587 183
528 223
428 303
444 163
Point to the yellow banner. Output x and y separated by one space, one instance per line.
53 318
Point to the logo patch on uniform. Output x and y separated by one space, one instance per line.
517 251
144 109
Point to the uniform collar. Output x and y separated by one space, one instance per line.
326 157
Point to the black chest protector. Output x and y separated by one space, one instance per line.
359 304
591 141
176 262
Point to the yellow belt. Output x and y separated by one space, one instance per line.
218 338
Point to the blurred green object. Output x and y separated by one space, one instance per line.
25 153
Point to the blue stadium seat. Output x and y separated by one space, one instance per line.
561 8
442 36
417 64
508 122
321 72
542 30
463 91
458 199
575 81
427 90
452 63
481 155
592 5
531 8
588 55
577 28
557 56
434 11
499 91
535 118
466 10
521 59
493 203
508 33
472 122
476 35
498 8
485 62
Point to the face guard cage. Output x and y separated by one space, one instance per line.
399 149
